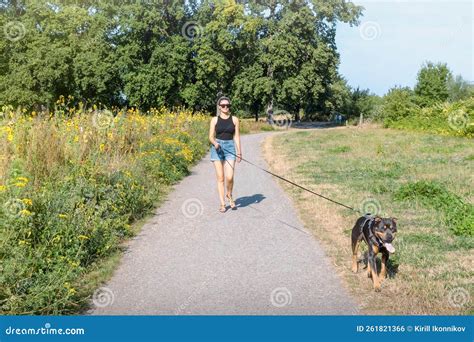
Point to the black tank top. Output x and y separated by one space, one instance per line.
225 128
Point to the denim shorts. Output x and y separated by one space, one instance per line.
222 153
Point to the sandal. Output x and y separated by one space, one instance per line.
231 201
222 209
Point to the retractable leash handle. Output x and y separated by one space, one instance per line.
226 159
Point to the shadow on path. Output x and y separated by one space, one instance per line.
314 124
247 200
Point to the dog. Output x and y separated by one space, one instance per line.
378 233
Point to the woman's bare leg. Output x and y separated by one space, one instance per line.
229 175
220 179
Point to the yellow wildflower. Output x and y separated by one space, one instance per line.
83 237
73 263
25 212
62 216
27 201
3 188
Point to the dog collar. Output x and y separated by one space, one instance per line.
375 239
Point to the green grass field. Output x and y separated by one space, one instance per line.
426 181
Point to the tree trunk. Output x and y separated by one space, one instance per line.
270 111
270 102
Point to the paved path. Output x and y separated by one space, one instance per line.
192 259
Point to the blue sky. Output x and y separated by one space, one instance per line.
395 37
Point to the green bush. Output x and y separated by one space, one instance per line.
55 225
398 103
458 214
432 84
455 118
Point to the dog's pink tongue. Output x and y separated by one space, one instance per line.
389 247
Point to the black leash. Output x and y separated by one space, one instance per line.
293 183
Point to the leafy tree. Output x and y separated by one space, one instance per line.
432 84
399 102
296 63
222 50
264 53
64 51
352 102
459 89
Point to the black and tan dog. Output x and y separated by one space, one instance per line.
378 233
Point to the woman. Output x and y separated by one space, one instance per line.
223 150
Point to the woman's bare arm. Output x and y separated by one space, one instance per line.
237 136
212 131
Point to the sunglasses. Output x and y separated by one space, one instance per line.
225 105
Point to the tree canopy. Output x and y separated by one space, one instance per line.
148 53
